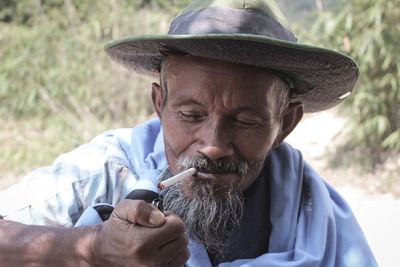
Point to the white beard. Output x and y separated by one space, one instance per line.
208 220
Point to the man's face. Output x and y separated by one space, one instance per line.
221 112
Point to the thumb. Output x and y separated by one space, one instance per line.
139 212
156 217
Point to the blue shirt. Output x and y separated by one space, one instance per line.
311 225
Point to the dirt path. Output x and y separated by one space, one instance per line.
379 217
378 214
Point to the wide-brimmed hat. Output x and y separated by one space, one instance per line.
252 32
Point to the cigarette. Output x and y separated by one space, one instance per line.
177 178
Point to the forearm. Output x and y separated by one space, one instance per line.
23 245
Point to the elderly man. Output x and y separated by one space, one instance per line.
233 84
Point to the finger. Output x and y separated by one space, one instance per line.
168 212
180 259
139 212
174 247
173 228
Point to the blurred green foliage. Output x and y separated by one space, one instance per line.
368 31
58 89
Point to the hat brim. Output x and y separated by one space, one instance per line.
321 78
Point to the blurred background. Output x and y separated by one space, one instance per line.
58 90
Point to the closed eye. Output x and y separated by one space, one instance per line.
190 116
249 123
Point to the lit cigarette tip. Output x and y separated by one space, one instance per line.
177 178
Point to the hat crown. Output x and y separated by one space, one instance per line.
256 17
268 7
250 32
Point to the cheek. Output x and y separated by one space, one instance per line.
255 145
177 139
254 148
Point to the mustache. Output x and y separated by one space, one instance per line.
223 165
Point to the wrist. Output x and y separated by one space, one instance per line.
87 246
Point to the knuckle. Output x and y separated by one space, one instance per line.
176 224
182 258
186 240
179 260
122 204
141 208
186 254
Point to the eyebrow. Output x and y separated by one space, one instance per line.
189 101
250 109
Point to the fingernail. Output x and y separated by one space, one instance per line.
156 218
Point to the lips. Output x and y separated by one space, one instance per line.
206 176
221 178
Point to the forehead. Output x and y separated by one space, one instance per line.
236 84
190 65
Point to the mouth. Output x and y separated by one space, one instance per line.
222 178
212 177
220 184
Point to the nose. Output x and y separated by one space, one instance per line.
216 141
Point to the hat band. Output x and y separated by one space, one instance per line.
226 20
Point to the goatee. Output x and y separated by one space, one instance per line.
209 219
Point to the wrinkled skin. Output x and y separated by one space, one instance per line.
137 234
222 110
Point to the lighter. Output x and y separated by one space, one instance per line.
100 212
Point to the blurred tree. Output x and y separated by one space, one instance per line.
23 11
303 12
368 30
55 78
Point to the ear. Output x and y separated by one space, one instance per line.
291 117
156 97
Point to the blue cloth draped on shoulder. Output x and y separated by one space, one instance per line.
143 152
311 224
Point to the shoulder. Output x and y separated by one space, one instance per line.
92 172
285 158
120 144
108 152
286 152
